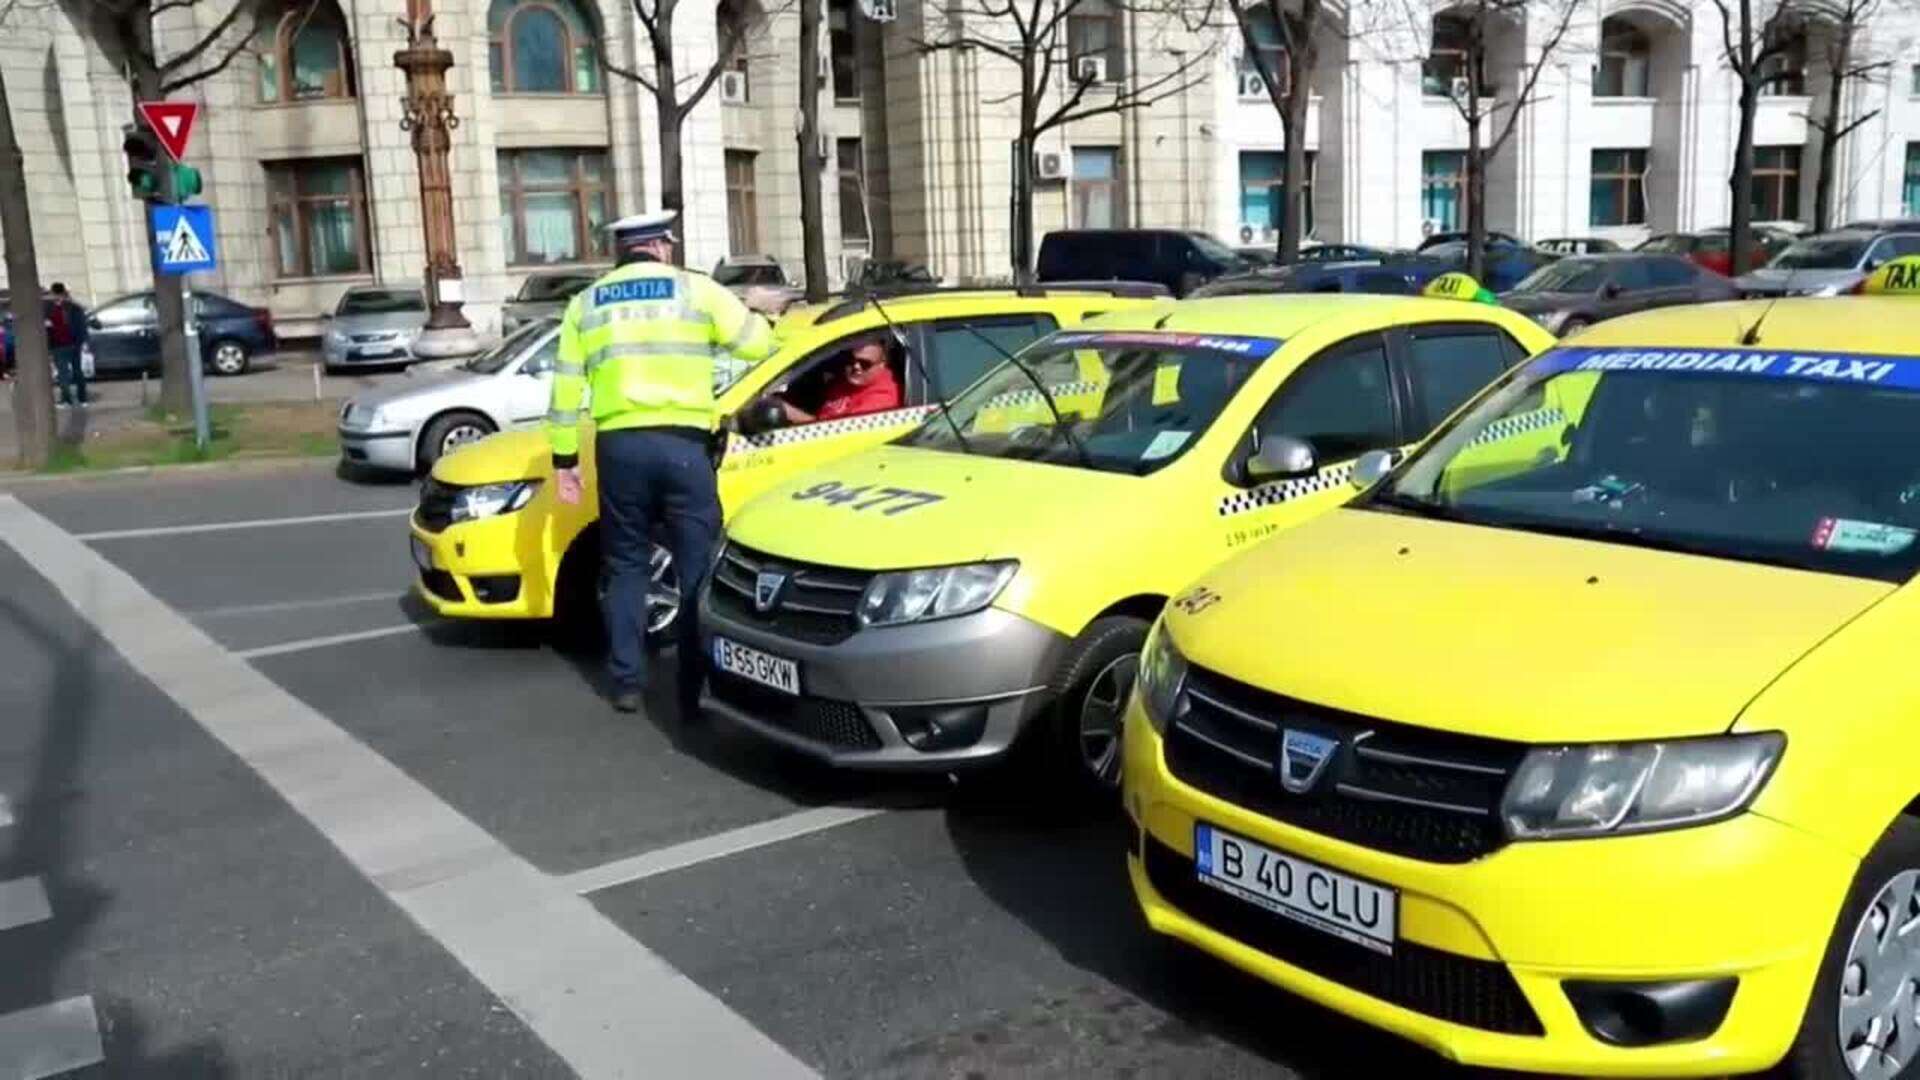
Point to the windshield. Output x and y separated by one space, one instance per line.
1130 402
380 302
1215 250
491 361
1807 461
1566 276
749 274
543 287
1828 253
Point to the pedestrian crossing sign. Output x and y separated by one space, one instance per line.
183 239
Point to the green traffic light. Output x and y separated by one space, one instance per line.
186 181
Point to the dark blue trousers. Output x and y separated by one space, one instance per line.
653 484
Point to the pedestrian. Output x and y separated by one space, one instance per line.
66 335
643 339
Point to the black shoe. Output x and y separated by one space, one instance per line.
626 701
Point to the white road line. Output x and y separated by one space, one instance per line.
295 605
49 1039
224 526
717 846
23 902
331 639
606 1005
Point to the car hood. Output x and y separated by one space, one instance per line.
1773 279
369 324
1531 303
1508 634
509 455
986 508
427 390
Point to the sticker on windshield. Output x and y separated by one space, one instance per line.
1164 444
1902 372
1166 384
1862 537
1253 347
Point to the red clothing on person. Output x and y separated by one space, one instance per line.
845 399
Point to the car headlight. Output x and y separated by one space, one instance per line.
1162 677
336 337
1600 789
906 596
490 500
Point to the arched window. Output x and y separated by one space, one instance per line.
310 56
1626 55
541 47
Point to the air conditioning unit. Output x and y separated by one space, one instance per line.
1252 86
733 87
1090 69
824 147
1459 89
1049 165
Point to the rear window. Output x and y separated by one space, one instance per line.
380 302
543 287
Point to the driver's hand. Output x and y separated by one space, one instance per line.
795 415
567 486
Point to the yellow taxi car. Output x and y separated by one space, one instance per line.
490 541
1585 741
992 574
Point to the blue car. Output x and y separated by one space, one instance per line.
125 334
1508 262
1400 275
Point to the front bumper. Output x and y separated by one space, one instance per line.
389 450
1748 898
365 354
863 698
501 567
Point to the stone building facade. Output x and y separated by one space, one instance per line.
314 184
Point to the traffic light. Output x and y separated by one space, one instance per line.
143 162
186 182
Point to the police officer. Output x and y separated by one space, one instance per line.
644 339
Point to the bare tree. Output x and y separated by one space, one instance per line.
1290 89
1032 36
33 378
813 229
1842 22
1751 46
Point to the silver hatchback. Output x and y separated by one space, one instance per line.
373 325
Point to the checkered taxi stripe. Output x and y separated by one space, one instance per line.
1519 424
1281 491
1032 397
825 429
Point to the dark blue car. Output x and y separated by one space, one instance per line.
1401 275
1508 261
125 334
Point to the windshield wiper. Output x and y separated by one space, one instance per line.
1633 537
1059 422
1412 505
932 387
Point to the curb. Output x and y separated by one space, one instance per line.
13 478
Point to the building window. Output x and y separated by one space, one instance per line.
541 47
840 50
1626 55
853 191
1269 55
319 212
1096 188
553 205
1784 74
310 57
1443 189
1910 191
743 211
1447 59
1263 202
1093 32
1776 183
1618 195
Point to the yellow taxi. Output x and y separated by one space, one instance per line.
988 578
490 541
1585 739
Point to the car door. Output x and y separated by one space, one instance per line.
1342 403
123 335
1629 288
530 387
1443 365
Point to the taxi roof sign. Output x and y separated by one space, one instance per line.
1899 277
1455 285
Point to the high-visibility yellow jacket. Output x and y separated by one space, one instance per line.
644 338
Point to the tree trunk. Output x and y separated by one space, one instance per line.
666 103
1023 179
33 379
1476 159
1742 180
170 309
812 224
1301 56
1841 56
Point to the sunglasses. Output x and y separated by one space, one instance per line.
857 364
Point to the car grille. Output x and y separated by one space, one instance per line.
441 584
816 607
838 724
1417 792
1458 989
435 511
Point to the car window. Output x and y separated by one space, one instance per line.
539 288
1892 247
380 302
965 349
1633 275
1671 273
1715 244
1340 402
1380 281
543 358
1450 366
205 304
131 311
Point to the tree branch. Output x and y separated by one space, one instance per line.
626 73
1525 96
200 47
1849 129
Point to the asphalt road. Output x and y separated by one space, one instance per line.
272 819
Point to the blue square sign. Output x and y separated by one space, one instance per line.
183 238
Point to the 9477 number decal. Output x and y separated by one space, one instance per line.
868 497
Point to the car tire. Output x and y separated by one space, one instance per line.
1079 738
448 433
1885 890
229 357
579 623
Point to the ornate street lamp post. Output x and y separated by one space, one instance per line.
427 114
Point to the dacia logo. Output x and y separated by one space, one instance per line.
1303 757
767 587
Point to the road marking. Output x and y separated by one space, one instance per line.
717 846
224 526
606 1004
50 1039
295 605
23 902
331 639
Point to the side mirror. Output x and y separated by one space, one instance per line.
761 417
1610 290
93 322
1370 467
1280 456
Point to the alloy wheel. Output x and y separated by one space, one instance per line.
229 359
1102 711
460 435
1879 1024
663 591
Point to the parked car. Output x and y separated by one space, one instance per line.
1901 224
891 273
1257 254
1713 248
373 324
1577 245
1829 264
1507 263
1402 275
1580 290
544 293
1459 236
1182 260
123 334
1344 253
409 426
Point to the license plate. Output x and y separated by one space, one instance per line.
422 554
748 663
1308 893
381 353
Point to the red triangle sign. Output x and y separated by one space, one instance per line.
172 123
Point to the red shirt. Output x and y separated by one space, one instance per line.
845 399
